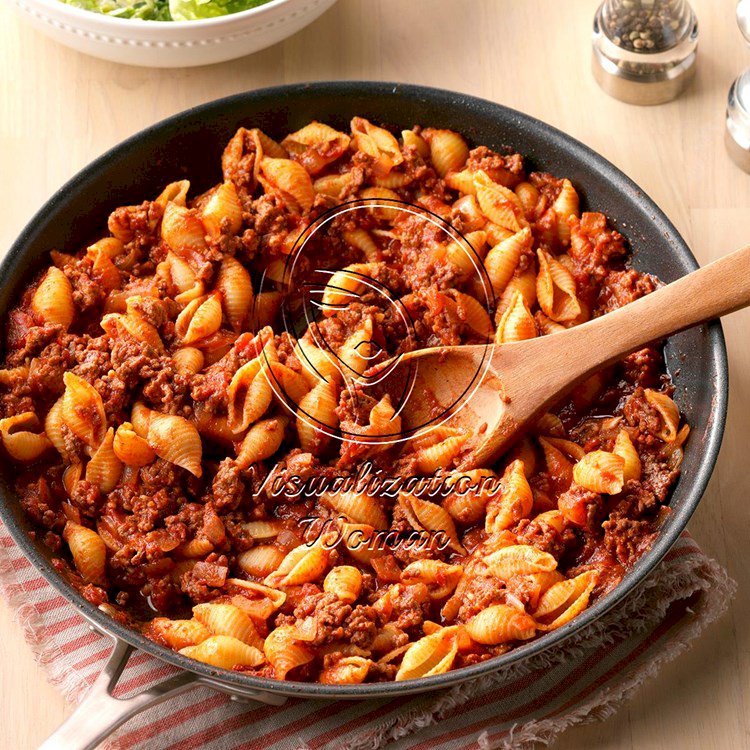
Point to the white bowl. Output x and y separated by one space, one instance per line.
171 44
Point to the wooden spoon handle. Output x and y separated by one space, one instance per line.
710 292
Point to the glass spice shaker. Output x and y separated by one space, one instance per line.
737 132
644 51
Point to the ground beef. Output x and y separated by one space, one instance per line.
88 293
411 606
507 170
623 287
627 538
32 343
645 420
228 488
542 536
87 498
46 371
482 592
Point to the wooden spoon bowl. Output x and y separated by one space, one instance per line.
493 392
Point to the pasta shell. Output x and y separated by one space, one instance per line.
236 289
624 448
468 501
380 207
83 410
565 206
433 654
377 143
529 197
466 256
415 141
334 185
53 299
503 259
180 274
317 364
498 203
559 467
514 502
422 514
317 417
284 653
24 445
223 206
53 424
358 351
363 241
473 314
549 424
441 455
177 441
669 413
462 181
104 468
345 582
248 397
195 548
88 550
345 286
547 326
565 600
21 443
260 561
224 652
262 440
177 634
288 386
183 232
131 448
188 360
517 323
600 471
140 418
292 181
525 285
175 192
327 145
358 507
200 319
519 559
361 542
500 623
303 564
70 478
448 150
441 578
226 619
556 289
263 529
351 670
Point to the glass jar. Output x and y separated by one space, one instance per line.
644 51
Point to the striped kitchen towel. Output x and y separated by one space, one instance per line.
585 679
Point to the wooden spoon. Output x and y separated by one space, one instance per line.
510 385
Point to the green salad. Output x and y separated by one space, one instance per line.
166 10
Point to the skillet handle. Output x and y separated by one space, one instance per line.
99 713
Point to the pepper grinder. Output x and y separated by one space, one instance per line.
737 132
644 51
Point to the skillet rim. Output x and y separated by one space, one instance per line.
715 348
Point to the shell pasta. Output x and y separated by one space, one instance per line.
190 422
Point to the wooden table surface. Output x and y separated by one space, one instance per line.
60 109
